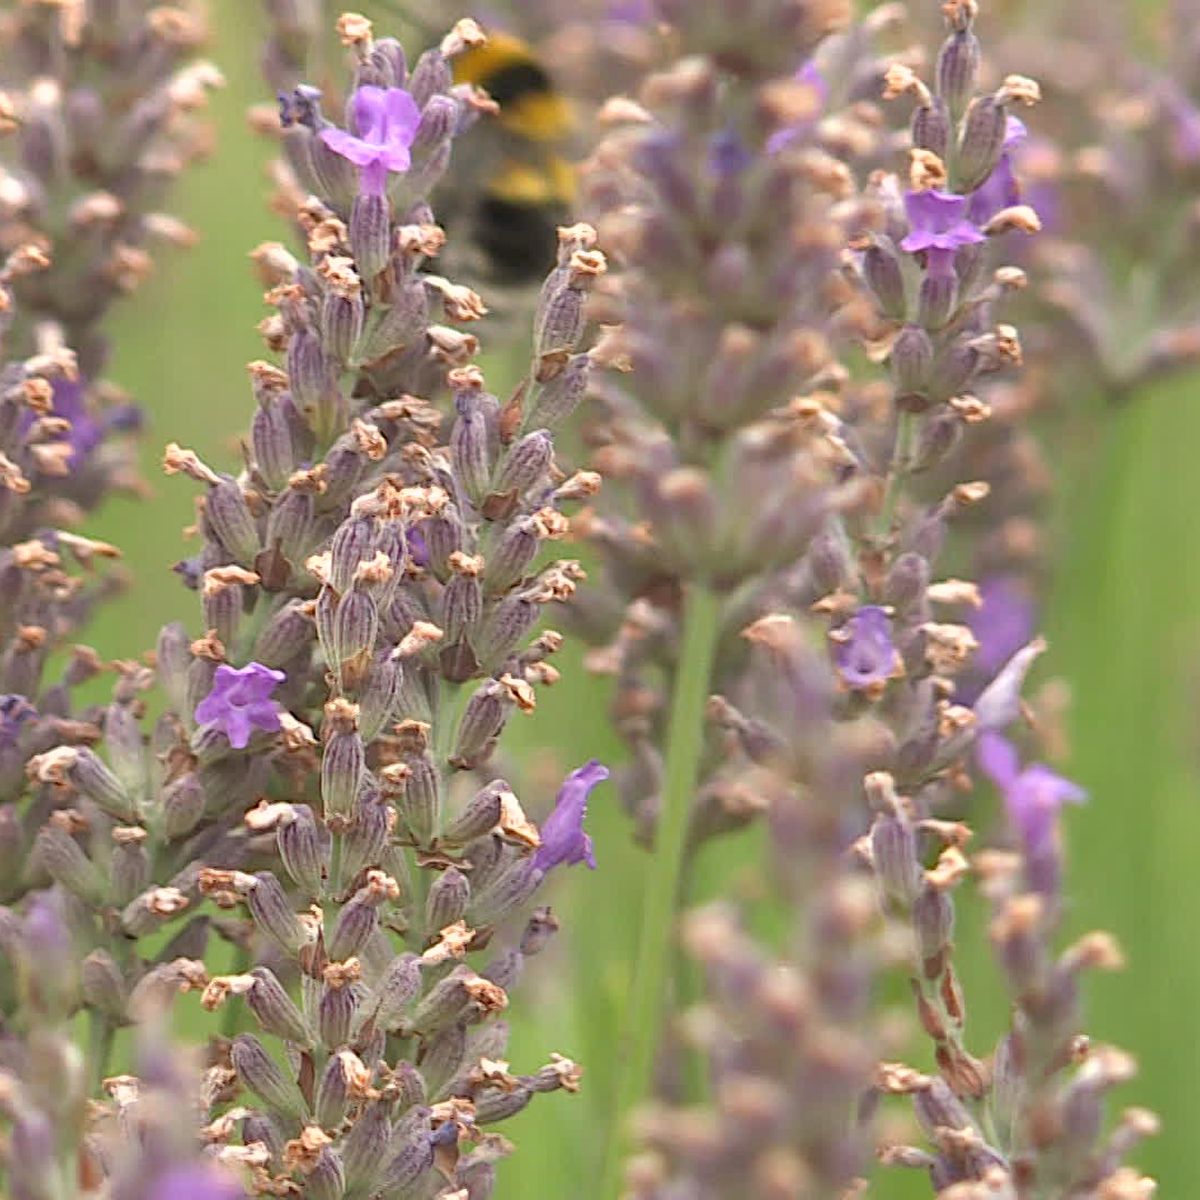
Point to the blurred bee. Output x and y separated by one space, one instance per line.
513 181
526 184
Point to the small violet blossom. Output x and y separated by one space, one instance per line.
811 77
15 710
240 701
86 431
865 654
387 121
1033 795
1000 189
564 842
196 1182
939 226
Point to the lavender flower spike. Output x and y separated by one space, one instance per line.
1033 797
387 121
240 701
563 839
865 655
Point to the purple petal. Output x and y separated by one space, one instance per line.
359 152
867 655
998 759
236 724
402 117
564 841
370 106
196 1182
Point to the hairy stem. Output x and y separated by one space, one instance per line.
643 1025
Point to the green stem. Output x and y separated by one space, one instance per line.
647 999
906 428
100 1042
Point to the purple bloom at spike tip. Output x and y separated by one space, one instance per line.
240 701
418 548
564 842
1000 189
387 121
197 1181
938 226
865 654
810 76
1033 795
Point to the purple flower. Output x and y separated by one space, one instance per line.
1000 189
240 701
1003 623
938 225
387 121
15 710
1033 796
809 75
418 548
865 654
69 402
198 1181
563 839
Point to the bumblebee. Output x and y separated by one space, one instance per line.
527 184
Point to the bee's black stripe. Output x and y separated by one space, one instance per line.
515 80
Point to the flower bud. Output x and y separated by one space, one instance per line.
937 298
378 696
335 1015
911 359
881 270
443 1058
507 623
289 525
92 776
260 1075
479 818
421 805
342 767
272 913
365 1147
526 464
560 319
981 144
303 851
355 924
272 445
229 517
906 583
258 1127
370 234
430 77
933 922
447 900
276 1011
471 448
355 624
335 176
931 128
494 1105
68 865
327 1179
412 1154
364 841
353 544
104 987
173 659
130 870
394 992
958 69
559 397
539 929
479 728
333 1092
894 848
341 324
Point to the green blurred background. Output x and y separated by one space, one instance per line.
1122 621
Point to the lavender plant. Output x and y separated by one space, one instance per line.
368 588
